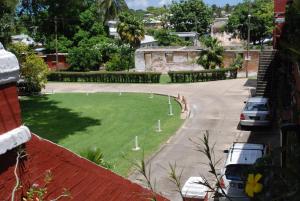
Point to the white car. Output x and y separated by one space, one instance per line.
192 190
240 157
256 112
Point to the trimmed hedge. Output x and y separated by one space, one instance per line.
112 77
203 75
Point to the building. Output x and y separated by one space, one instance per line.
164 59
24 39
30 164
188 36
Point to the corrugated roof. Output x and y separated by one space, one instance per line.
84 180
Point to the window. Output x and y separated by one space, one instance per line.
169 57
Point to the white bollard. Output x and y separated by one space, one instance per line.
120 93
169 100
87 94
136 144
158 126
170 110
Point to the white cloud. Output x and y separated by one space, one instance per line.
138 4
164 2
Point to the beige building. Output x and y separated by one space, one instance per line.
164 59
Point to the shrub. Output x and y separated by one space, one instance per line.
34 71
112 77
96 156
203 76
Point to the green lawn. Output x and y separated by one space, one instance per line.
105 120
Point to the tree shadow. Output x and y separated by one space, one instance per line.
45 118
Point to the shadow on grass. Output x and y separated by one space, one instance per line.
45 118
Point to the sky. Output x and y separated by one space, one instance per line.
142 4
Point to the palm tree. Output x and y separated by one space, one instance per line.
212 56
130 29
111 8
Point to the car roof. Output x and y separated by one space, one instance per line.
192 188
244 153
258 99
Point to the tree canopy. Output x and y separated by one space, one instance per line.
190 15
130 29
261 20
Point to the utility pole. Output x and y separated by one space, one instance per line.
56 51
248 43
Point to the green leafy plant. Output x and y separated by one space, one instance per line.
96 156
34 71
212 56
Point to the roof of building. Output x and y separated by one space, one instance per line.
169 49
148 39
83 179
185 34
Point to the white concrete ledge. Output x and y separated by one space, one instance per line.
14 138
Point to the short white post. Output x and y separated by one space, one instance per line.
170 110
158 126
169 100
87 93
136 144
120 93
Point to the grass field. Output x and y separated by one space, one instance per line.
109 121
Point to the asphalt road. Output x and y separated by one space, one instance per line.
214 107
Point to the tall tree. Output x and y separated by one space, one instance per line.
190 15
130 29
212 56
7 11
111 8
261 20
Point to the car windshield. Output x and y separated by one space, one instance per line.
251 106
236 172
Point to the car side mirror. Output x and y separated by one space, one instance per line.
226 151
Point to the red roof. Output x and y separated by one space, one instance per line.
83 179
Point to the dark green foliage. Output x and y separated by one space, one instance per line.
237 62
63 44
165 38
190 15
112 77
130 29
96 156
212 55
7 8
203 75
261 20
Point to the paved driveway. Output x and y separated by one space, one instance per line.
214 106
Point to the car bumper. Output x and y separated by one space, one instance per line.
234 199
255 122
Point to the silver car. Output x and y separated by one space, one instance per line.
256 112
240 158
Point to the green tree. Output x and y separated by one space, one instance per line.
130 29
165 38
7 11
190 15
110 9
261 20
212 56
34 71
20 50
85 56
122 60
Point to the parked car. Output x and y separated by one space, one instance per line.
240 157
256 112
192 190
